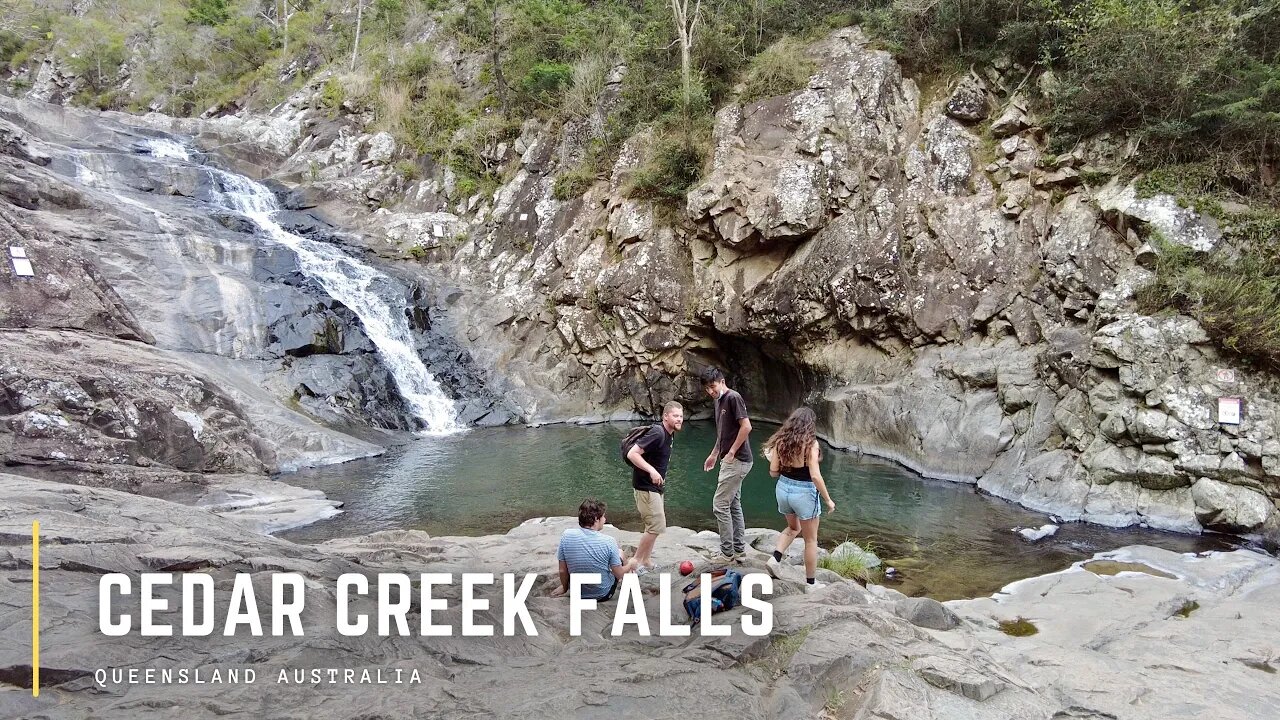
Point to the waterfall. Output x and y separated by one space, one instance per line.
166 148
346 280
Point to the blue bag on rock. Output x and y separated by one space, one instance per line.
725 588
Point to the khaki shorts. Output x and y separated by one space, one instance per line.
652 511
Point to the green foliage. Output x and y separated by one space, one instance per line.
11 43
332 95
1191 80
28 50
1020 627
388 17
572 183
1187 607
418 252
780 69
1195 82
853 567
407 169
466 186
209 12
94 50
1233 292
674 165
417 66
544 81
436 114
929 35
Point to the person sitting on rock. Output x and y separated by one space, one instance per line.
585 549
793 454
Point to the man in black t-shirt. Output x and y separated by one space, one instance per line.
733 451
649 458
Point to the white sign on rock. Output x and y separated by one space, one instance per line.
1225 375
17 252
1229 410
23 268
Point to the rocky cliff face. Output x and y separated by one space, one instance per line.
941 289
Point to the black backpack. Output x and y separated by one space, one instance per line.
631 438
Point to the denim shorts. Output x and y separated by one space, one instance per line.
797 497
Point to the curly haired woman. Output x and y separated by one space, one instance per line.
794 453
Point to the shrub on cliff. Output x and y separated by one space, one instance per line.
1191 81
674 164
1234 290
782 68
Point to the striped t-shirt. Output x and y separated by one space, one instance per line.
589 551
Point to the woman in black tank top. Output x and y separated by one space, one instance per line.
796 473
794 454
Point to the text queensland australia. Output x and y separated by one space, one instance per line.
382 603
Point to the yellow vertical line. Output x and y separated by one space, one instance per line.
35 609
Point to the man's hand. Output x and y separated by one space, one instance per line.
656 477
710 463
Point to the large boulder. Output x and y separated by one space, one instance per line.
1175 223
927 613
779 171
968 102
1230 508
74 401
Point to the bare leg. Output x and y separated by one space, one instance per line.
790 533
809 530
644 551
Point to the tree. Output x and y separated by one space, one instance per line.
209 12
495 46
280 22
95 50
355 46
686 26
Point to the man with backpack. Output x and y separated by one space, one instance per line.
649 454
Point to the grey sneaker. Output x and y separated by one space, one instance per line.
720 559
740 558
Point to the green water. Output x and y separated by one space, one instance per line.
948 540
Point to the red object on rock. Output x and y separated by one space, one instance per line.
686 567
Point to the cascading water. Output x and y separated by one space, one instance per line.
348 281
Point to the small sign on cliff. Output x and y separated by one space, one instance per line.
21 265
1229 410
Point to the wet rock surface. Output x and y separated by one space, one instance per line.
1200 639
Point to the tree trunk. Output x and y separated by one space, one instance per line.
496 59
355 48
685 27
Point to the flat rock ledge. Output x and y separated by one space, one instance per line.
1109 646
